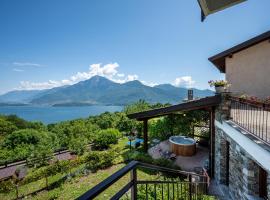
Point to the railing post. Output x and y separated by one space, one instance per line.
133 176
190 187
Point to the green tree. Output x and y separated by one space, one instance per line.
139 106
105 138
77 145
6 127
29 143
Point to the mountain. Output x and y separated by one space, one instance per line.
23 96
99 90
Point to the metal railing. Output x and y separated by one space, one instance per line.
252 116
175 185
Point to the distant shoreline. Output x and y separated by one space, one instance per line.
55 105
14 104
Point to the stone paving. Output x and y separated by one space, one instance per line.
186 163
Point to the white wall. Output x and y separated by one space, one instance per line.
249 70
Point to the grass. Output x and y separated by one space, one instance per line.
34 186
79 185
121 150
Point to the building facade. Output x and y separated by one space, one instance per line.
247 66
242 161
242 136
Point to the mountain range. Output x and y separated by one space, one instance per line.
101 91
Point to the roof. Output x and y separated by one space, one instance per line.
212 6
198 104
219 59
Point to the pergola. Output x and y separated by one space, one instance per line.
208 103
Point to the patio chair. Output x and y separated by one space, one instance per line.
172 156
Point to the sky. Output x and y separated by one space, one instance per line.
44 44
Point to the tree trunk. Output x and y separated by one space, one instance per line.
46 179
17 191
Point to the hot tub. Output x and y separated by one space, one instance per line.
181 145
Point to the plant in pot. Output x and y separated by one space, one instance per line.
220 85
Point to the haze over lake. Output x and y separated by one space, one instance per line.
47 114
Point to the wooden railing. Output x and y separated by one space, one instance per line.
253 116
179 184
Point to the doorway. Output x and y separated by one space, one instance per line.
263 183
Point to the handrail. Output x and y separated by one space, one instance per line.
251 102
131 167
253 116
90 194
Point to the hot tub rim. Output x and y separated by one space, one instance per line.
194 142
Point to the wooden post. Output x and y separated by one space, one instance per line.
145 134
133 177
212 143
190 186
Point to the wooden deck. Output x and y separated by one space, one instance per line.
187 163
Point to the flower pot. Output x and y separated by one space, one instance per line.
220 89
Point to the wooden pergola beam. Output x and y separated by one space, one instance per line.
203 103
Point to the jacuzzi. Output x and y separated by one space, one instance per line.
181 145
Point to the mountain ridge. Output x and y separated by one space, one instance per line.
99 90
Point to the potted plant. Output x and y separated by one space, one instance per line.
220 85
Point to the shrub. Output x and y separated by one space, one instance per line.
6 186
99 160
106 137
146 158
142 157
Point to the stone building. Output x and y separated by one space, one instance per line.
242 134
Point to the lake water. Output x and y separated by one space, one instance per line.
49 115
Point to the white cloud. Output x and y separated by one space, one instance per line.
132 77
18 70
109 71
184 81
26 64
120 75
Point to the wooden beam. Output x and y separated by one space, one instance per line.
145 134
198 104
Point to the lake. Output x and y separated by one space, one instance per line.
49 115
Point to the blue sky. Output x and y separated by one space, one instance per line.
51 43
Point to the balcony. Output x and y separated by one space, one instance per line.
253 116
171 184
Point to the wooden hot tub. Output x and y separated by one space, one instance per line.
183 146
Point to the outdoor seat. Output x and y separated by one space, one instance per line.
172 156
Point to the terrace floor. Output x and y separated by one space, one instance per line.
186 163
190 164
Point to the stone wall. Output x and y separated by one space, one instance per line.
243 171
